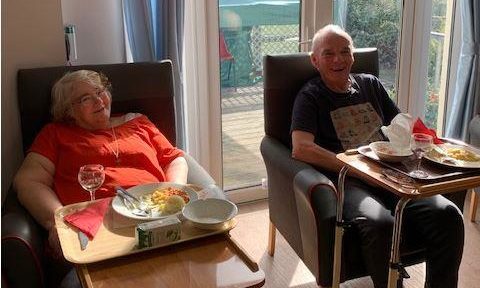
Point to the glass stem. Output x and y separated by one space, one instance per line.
418 164
92 195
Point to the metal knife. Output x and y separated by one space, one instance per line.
83 240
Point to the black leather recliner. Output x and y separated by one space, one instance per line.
145 88
307 224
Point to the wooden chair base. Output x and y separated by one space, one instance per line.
473 205
271 239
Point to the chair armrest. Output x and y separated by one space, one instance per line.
302 205
281 170
196 174
199 177
315 196
22 246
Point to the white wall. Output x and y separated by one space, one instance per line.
99 30
32 36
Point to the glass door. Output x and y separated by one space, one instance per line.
223 75
248 30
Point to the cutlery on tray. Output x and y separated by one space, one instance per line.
83 240
133 203
443 155
398 178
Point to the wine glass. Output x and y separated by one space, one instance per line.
91 177
420 144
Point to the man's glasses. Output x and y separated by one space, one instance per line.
89 100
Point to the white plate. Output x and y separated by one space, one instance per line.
140 190
437 158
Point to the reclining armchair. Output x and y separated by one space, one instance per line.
302 201
474 129
145 88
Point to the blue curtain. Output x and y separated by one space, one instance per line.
155 32
466 100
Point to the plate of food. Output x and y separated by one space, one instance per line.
454 155
160 199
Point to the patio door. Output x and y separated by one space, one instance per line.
248 30
225 43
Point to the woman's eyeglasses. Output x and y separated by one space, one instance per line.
89 100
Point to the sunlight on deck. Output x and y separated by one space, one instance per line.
242 132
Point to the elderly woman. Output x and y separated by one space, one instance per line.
130 147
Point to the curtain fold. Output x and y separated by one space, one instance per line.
155 32
466 100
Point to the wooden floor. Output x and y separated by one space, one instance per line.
286 270
242 132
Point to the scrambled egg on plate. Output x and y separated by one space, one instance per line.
462 154
168 200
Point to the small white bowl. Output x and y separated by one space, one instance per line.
210 213
388 152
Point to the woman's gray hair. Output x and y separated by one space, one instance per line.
62 91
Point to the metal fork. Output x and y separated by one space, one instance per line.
135 205
133 209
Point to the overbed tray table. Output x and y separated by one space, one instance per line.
372 171
201 258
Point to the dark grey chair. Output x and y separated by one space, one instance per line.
474 129
145 88
307 222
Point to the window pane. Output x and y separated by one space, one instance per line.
374 23
249 29
439 34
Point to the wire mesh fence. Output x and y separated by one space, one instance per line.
248 46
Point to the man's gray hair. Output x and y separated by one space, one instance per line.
62 92
325 30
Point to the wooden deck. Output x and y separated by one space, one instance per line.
242 132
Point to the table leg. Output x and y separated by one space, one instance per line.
84 275
339 229
393 269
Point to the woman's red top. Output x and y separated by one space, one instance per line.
143 154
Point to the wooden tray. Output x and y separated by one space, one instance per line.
110 242
434 171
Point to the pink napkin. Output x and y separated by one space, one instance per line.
88 220
419 127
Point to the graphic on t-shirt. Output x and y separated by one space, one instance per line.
356 125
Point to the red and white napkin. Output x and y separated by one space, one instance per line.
419 127
89 219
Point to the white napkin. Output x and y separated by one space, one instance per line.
399 131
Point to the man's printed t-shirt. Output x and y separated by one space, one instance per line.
341 121
143 154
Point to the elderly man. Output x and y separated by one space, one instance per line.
338 111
